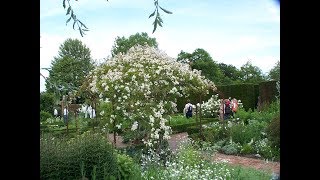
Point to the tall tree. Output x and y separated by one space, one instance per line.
231 74
123 44
70 67
274 73
201 60
251 73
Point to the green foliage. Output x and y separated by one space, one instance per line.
273 131
81 27
245 133
127 167
264 148
216 133
247 149
274 73
268 93
63 158
241 172
158 19
244 115
231 75
251 74
180 119
47 102
231 148
44 116
69 68
247 92
134 151
201 60
188 125
189 156
122 44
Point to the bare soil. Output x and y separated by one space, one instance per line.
252 162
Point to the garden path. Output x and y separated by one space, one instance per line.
259 164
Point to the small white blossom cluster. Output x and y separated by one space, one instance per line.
211 107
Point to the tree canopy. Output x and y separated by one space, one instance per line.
69 68
123 44
274 73
251 73
201 60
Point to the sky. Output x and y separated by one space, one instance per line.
233 32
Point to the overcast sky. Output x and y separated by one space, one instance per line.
232 31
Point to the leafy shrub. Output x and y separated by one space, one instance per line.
44 116
243 115
127 167
245 133
47 102
62 158
189 156
273 131
134 151
231 148
247 149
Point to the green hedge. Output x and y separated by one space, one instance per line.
189 126
248 93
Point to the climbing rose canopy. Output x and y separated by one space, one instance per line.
142 86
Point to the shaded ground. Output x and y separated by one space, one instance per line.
258 164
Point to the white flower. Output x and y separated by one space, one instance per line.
119 126
134 126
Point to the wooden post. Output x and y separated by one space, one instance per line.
196 113
62 107
200 113
75 117
114 133
67 119
92 120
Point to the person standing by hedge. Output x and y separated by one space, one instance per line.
65 115
227 109
55 112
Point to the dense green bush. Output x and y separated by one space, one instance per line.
245 133
44 115
47 102
247 149
62 158
273 131
128 168
231 148
216 133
